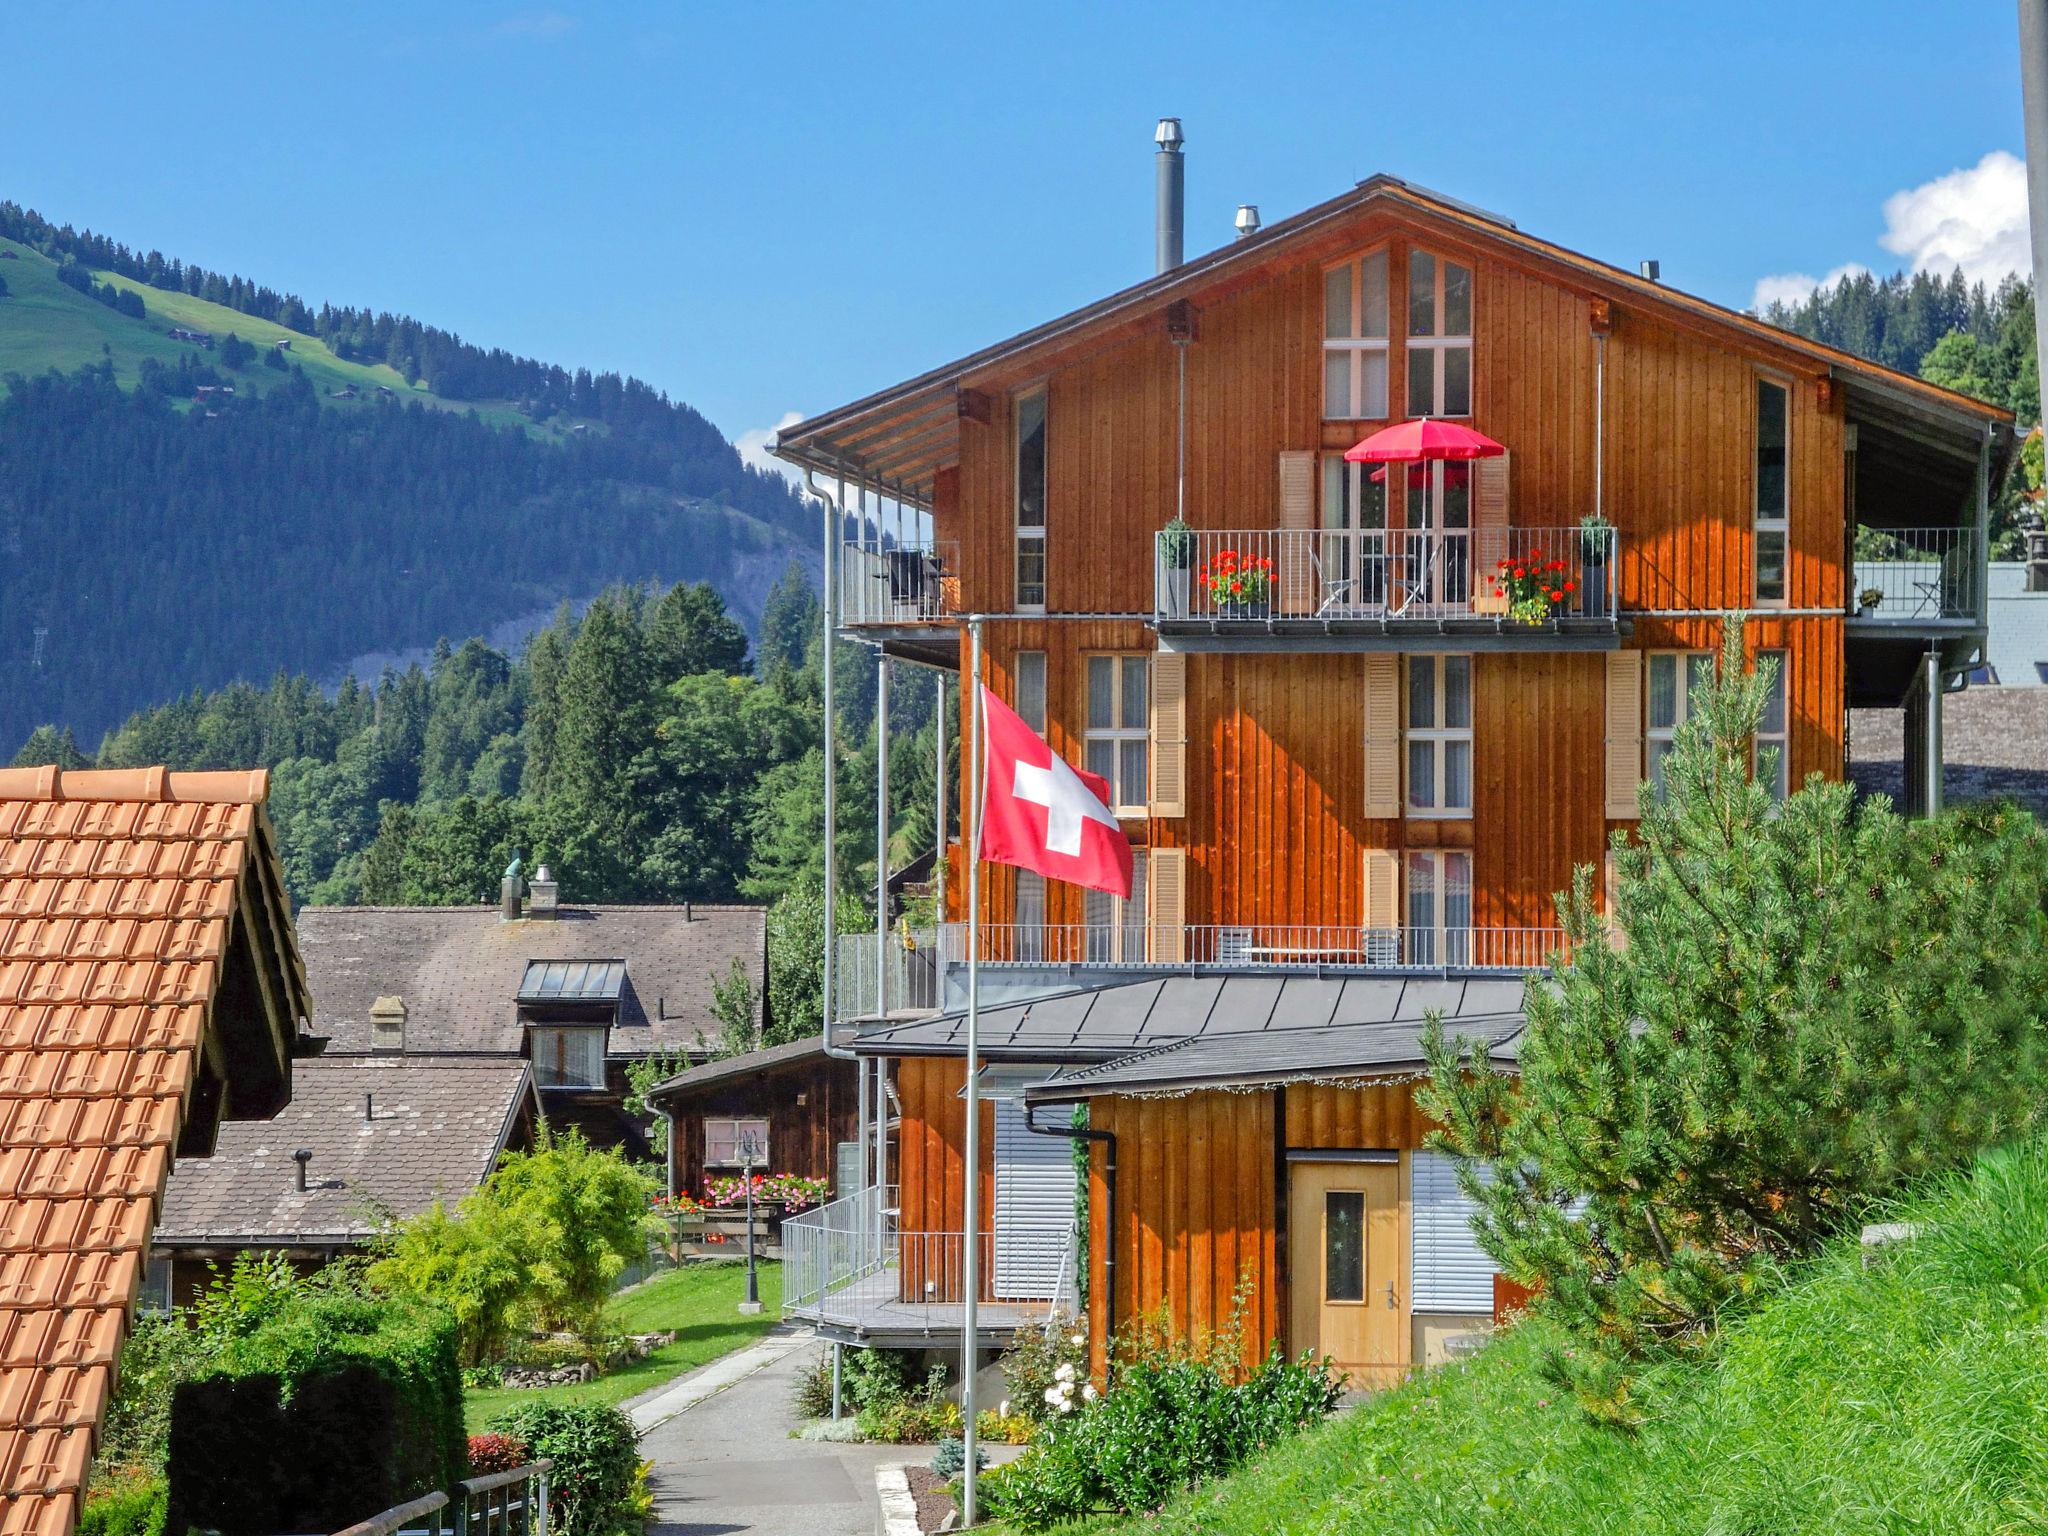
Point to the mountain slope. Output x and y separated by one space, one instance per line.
170 522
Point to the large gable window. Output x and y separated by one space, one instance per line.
567 1056
1439 336
1355 339
1773 434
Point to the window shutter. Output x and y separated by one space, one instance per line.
1624 734
1489 531
1166 879
1382 735
1382 889
1295 578
1169 733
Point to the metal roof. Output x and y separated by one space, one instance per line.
573 981
1104 1023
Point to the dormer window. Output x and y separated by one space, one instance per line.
1439 336
569 1008
567 1057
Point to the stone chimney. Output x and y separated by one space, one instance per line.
387 1025
543 895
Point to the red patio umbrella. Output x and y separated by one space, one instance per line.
1411 442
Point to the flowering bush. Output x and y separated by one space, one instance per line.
495 1452
1041 1369
1534 586
675 1205
1231 577
790 1190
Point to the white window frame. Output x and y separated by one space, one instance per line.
722 1139
1658 739
1028 678
1125 798
1438 736
1775 735
1358 344
1027 917
546 1074
1030 533
1117 928
1436 941
1439 342
1771 522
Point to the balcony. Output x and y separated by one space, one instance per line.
925 971
850 1269
1388 588
1918 577
910 583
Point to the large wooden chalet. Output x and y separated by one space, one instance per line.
1355 799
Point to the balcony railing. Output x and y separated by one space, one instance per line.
1386 575
1915 575
916 583
927 967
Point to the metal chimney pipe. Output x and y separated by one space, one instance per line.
302 1157
1652 270
1171 216
1247 220
369 1106
2034 116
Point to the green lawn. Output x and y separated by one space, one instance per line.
1908 1397
699 1302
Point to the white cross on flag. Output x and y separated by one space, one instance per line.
1039 812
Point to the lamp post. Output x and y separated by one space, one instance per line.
750 1152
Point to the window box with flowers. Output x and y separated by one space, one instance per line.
1238 584
1536 586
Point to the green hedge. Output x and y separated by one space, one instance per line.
596 1455
345 1406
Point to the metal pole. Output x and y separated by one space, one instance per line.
970 1353
753 1302
881 832
939 836
2034 111
838 1367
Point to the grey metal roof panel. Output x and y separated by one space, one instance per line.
1306 1001
1122 1013
1419 996
572 981
1369 998
1245 1003
1185 1003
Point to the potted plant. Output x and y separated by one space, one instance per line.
1239 584
1176 553
1596 542
1867 601
1535 586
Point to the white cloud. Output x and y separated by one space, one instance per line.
1793 287
753 448
1975 218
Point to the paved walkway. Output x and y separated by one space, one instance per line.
724 1462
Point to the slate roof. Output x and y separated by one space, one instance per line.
127 899
459 970
1994 745
436 1127
1107 1022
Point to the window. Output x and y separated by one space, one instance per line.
1439 336
1344 1245
568 1057
155 1295
1354 547
1439 735
1117 742
1116 927
1770 730
1031 502
1772 436
1030 679
1030 917
1355 339
1450 1271
1675 676
1439 907
727 1142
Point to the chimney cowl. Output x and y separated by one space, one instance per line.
387 1025
1651 270
1247 220
543 894
303 1157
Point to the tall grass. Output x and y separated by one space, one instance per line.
1907 1396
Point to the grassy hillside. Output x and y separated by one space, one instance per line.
1910 1396
47 324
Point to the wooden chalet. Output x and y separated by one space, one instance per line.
1355 798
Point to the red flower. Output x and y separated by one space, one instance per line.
1571 586
1520 573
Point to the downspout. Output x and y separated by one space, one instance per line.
833 516
1108 1140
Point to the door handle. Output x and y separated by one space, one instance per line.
1392 1305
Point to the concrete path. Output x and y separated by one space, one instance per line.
724 1462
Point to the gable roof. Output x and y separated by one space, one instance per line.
712 1074
899 438
389 1135
461 969
149 983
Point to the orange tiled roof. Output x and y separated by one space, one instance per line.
120 892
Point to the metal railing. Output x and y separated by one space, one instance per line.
1261 576
510 1503
911 979
1918 574
914 583
835 1245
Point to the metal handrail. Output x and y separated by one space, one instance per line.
398 1517
526 1514
1918 574
909 583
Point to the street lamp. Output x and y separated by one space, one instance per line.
750 1153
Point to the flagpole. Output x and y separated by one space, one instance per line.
970 1354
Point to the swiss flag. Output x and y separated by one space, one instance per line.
1039 812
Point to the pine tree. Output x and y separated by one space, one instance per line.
595 812
1816 1001
689 632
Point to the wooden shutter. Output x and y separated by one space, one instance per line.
1382 889
1166 882
1169 733
1489 531
1295 579
1624 734
1383 735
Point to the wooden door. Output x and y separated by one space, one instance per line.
1350 1296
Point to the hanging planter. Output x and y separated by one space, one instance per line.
1238 585
1535 587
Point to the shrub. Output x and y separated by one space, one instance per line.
160 1352
130 1507
318 1416
811 1393
1034 1361
999 1428
951 1457
596 1461
495 1452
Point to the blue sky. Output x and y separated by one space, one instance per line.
775 208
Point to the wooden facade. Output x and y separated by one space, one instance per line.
811 1105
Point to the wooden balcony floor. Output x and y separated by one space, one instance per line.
872 1311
